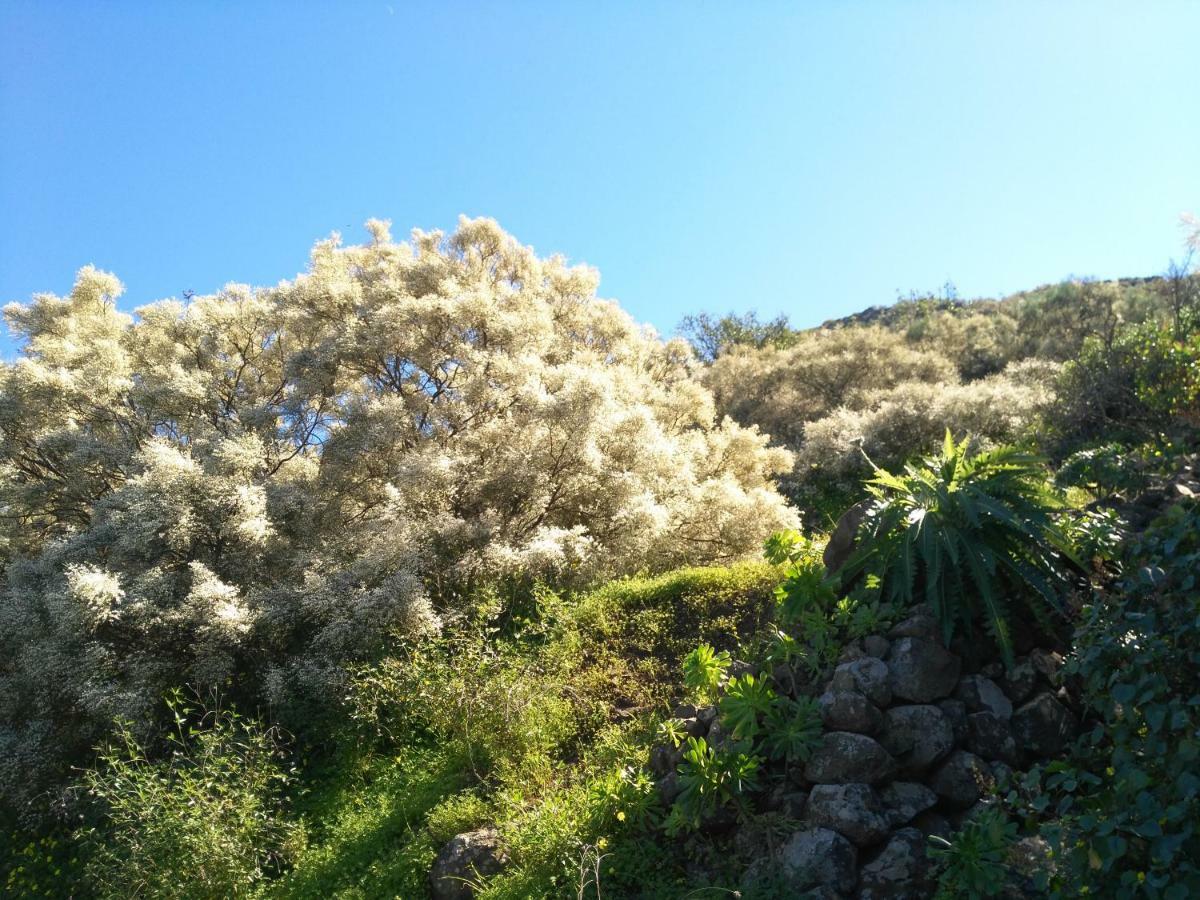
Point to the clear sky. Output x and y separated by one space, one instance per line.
803 158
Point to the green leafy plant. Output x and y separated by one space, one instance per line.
1121 811
974 864
704 670
1105 470
710 779
671 731
971 534
747 699
805 588
204 821
792 729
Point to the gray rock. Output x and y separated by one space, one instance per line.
664 758
899 872
991 737
669 788
961 780
905 800
852 651
694 727
819 857
956 713
849 711
788 801
467 858
868 676
876 645
983 695
1043 726
920 624
684 711
921 670
707 714
1019 681
933 822
844 537
847 758
852 810
992 670
917 736
739 668
717 736
1047 664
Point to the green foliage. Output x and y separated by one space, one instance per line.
1123 811
704 671
486 700
1106 470
745 702
711 779
48 862
806 587
1096 534
630 636
972 535
973 864
711 336
206 821
792 729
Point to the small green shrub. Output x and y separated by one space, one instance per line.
488 702
704 671
711 779
972 535
456 814
1106 470
792 729
205 821
745 702
974 864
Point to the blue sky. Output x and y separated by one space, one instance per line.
803 158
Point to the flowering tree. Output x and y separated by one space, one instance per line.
268 483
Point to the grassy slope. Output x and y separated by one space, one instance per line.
376 816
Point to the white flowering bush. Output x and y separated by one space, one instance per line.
781 389
249 489
893 424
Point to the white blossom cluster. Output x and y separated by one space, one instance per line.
253 487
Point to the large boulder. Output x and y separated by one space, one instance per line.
867 675
917 736
961 780
464 861
847 758
819 857
956 713
844 537
991 737
849 711
1043 726
984 695
1019 681
900 871
903 801
921 670
852 810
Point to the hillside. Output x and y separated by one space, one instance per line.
429 574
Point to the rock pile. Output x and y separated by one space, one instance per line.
914 737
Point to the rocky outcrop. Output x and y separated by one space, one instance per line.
466 860
914 739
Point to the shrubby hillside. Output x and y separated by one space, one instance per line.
255 488
431 574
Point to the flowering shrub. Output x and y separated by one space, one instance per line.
261 485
